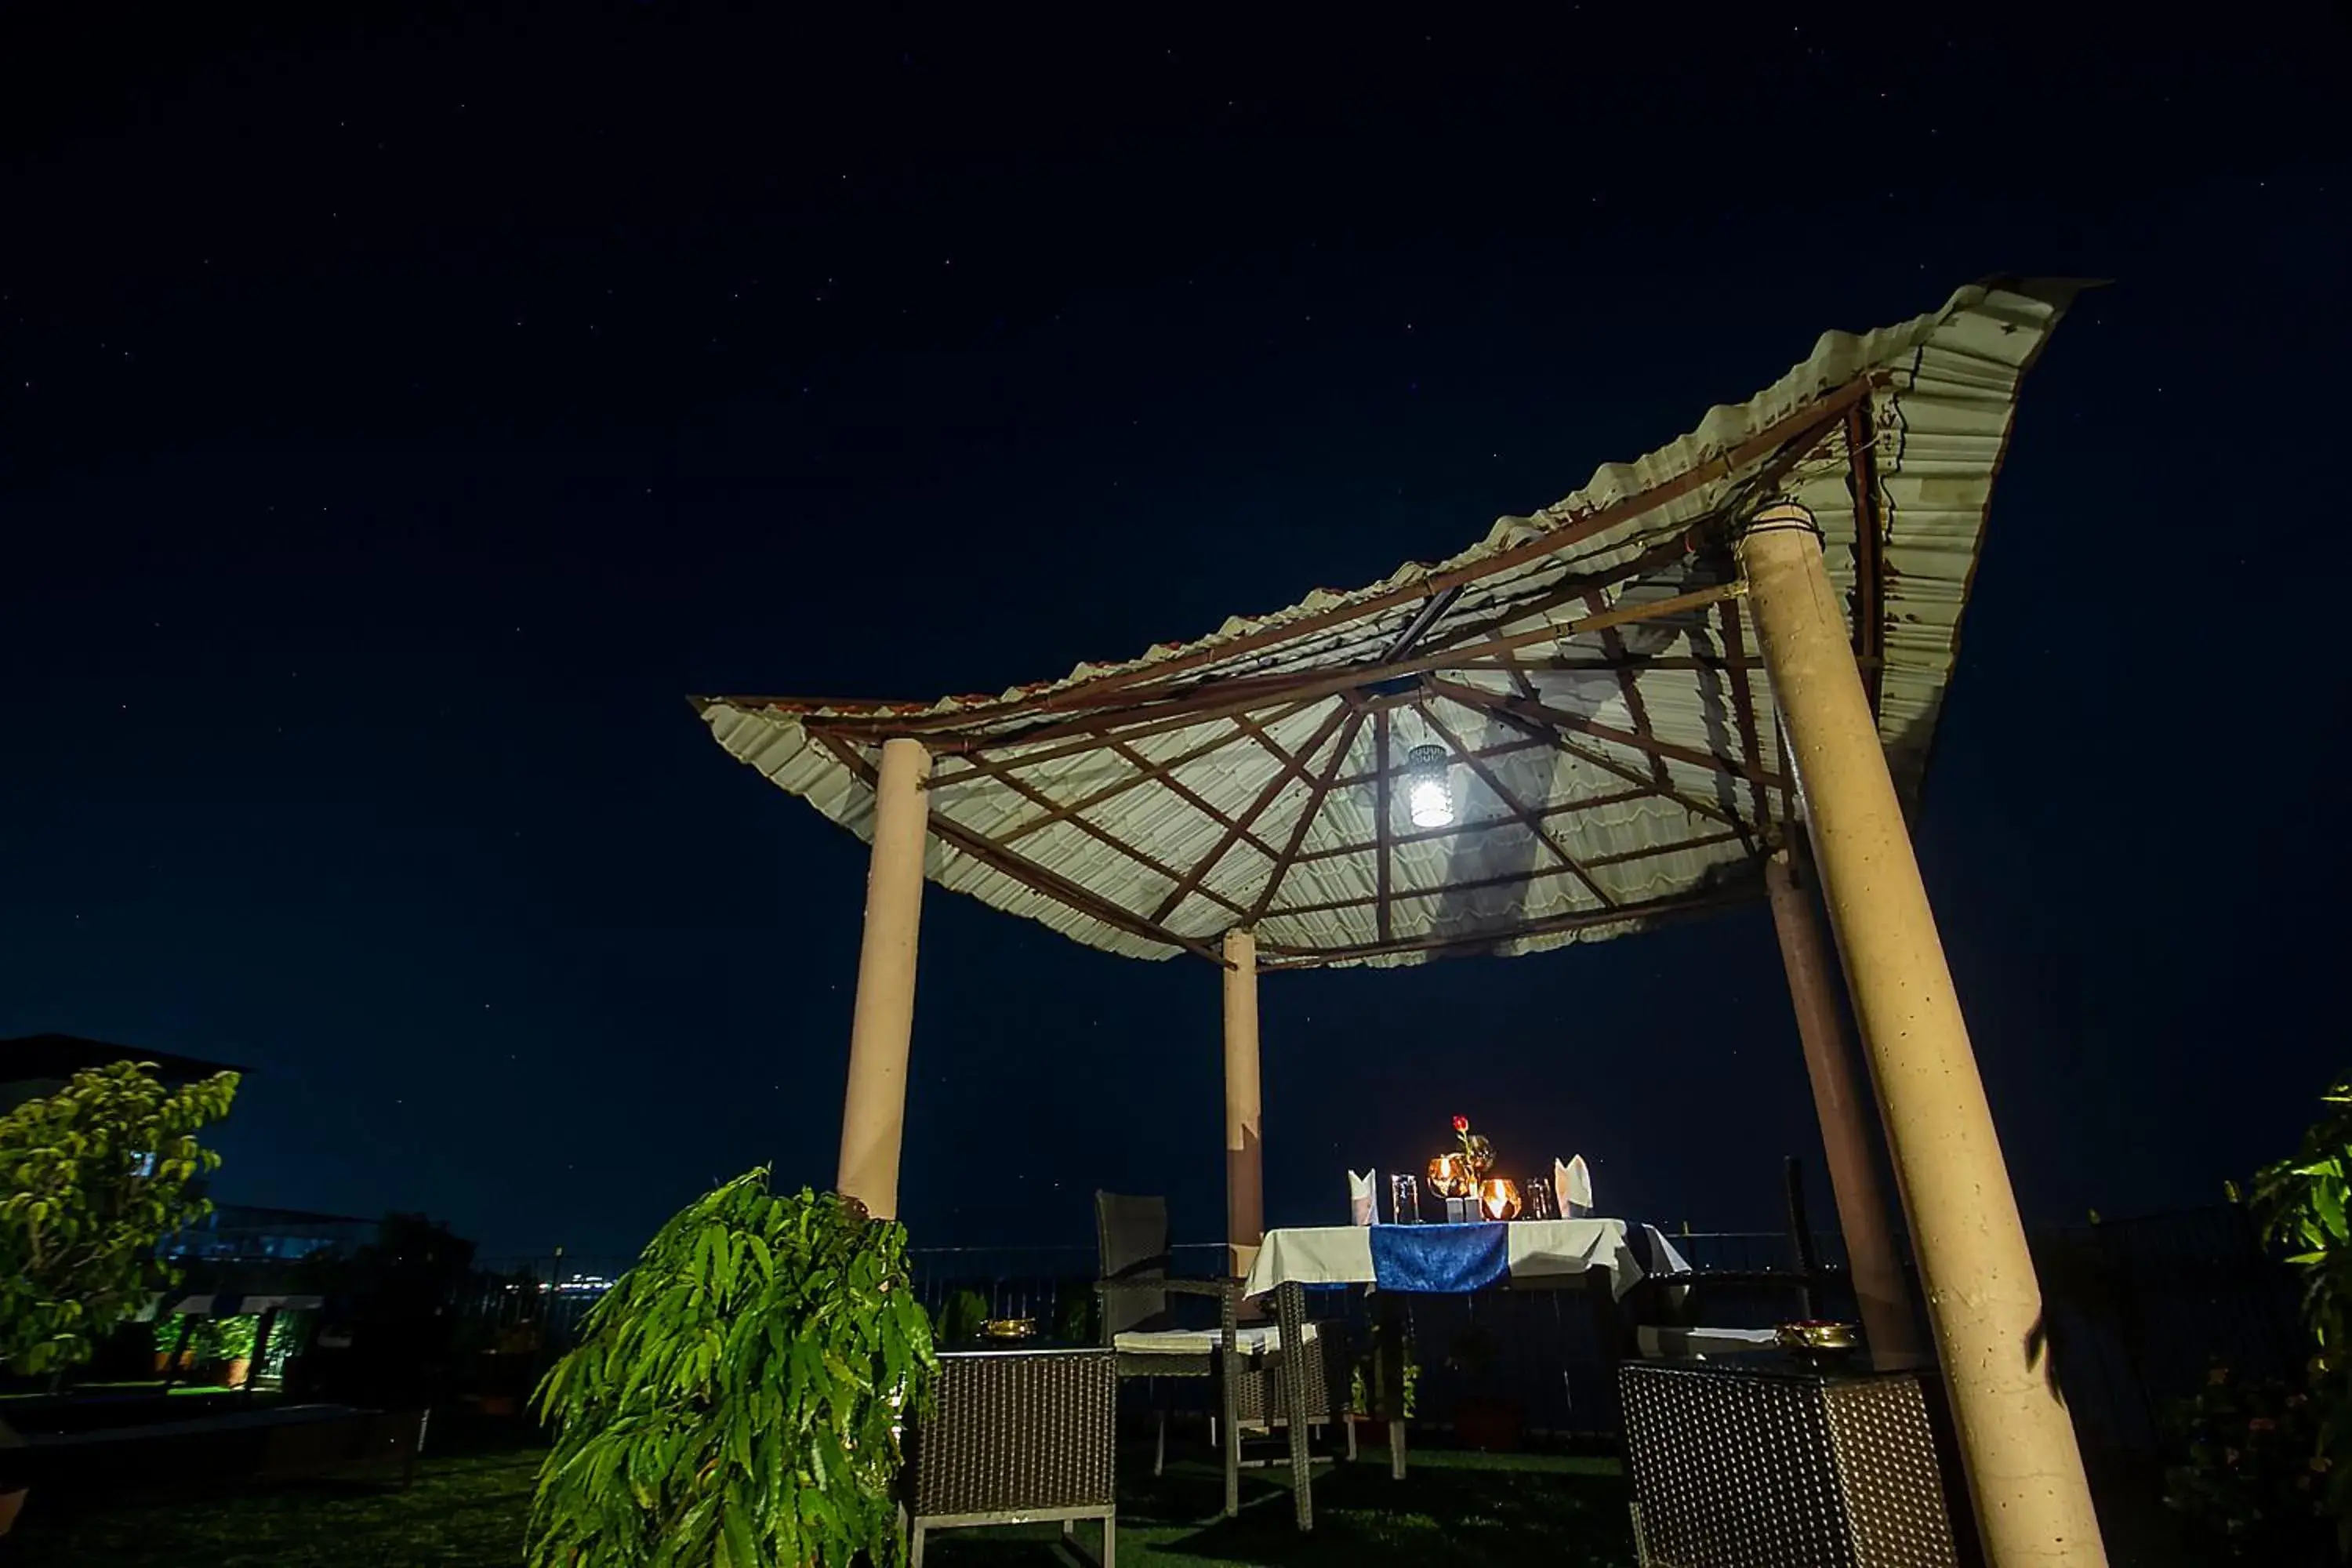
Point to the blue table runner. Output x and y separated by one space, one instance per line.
1439 1259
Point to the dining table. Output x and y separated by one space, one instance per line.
1393 1260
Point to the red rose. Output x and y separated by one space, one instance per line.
1461 1124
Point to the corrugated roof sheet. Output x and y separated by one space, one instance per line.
1592 668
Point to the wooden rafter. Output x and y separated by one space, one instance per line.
1743 707
1307 813
1512 804
1799 431
1604 666
1096 831
1146 771
1869 569
1542 733
1483 825
1381 816
1202 803
1612 643
1397 769
1026 873
1519 879
1310 684
1285 764
1276 955
1266 797
1095 739
1230 693
1561 719
1490 619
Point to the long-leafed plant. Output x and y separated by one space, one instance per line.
737 1400
2302 1203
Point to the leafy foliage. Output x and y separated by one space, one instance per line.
735 1401
960 1316
2301 1204
96 1176
2253 1477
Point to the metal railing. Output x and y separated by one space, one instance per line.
2138 1310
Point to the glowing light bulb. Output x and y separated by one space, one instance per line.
1429 791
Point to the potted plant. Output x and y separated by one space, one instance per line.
1360 1391
233 1343
738 1398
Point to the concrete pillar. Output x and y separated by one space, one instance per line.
874 1117
2025 1471
1872 1262
1244 1155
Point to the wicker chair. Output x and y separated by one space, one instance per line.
1016 1436
1243 1360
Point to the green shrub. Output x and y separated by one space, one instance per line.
96 1176
736 1399
960 1316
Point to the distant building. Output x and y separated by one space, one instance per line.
242 1233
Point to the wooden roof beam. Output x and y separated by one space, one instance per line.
1147 771
1581 725
1266 797
1095 831
1743 707
1800 430
1516 878
1869 565
1484 824
1276 955
1029 874
1511 802
1541 733
1307 813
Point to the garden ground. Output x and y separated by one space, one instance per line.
467 1510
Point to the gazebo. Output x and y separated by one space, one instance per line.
1645 702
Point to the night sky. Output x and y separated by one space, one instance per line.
400 416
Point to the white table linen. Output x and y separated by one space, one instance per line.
1342 1253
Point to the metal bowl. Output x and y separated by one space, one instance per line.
1009 1327
1818 1341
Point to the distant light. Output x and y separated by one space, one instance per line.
1429 787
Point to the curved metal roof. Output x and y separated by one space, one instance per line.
1591 668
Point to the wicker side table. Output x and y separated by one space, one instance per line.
1761 1467
1016 1436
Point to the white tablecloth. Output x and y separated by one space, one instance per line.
1342 1253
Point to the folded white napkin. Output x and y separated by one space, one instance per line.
1572 1184
1362 1208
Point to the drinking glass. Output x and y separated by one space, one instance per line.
1537 1193
1404 1200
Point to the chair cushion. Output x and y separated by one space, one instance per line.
1250 1339
1704 1342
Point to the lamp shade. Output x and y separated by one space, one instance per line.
1429 787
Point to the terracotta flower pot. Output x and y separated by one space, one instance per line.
238 1371
1490 1425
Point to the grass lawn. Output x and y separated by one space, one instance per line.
468 1511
